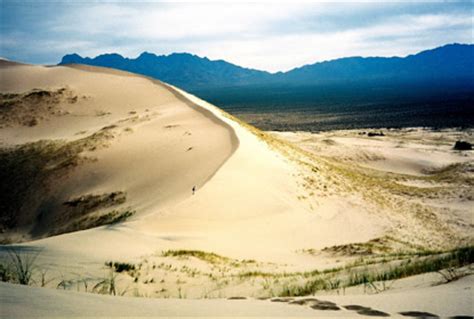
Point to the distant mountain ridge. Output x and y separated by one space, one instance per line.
181 69
452 64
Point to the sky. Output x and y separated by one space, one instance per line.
265 35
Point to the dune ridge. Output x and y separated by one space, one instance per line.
194 203
98 133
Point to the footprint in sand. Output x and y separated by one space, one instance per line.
325 305
418 314
373 313
302 302
317 304
366 311
356 307
281 299
313 303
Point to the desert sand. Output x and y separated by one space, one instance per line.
456 297
196 204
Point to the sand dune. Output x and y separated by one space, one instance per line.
20 302
169 149
139 140
101 164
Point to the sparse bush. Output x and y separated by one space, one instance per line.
22 266
90 221
107 285
209 257
462 146
5 273
44 281
28 173
450 274
64 284
454 259
445 263
308 288
121 267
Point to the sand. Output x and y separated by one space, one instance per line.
27 302
159 146
277 204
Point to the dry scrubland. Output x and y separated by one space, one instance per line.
97 170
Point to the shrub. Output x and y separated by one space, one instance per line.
120 267
22 265
209 257
106 285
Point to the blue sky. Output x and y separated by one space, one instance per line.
263 35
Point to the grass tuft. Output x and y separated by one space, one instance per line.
121 267
21 267
205 256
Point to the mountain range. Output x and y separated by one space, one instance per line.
432 88
449 64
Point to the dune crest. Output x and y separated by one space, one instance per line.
174 197
75 136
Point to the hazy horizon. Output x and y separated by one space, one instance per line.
271 38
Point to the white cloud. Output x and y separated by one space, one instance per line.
405 35
264 35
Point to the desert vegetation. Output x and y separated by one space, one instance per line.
19 266
200 274
205 256
32 107
31 173
335 169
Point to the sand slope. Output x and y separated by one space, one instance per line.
23 302
120 155
154 146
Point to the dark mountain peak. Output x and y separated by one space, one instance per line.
109 57
146 54
71 58
449 51
182 54
184 57
451 46
147 58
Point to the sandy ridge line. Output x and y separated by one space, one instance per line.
234 140
176 92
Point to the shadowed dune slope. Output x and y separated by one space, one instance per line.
84 146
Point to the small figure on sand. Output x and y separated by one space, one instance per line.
194 189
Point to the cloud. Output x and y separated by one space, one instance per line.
264 35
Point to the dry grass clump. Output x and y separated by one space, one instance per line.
19 267
26 171
205 256
120 266
96 220
86 204
107 286
29 108
377 245
31 175
445 263
453 259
